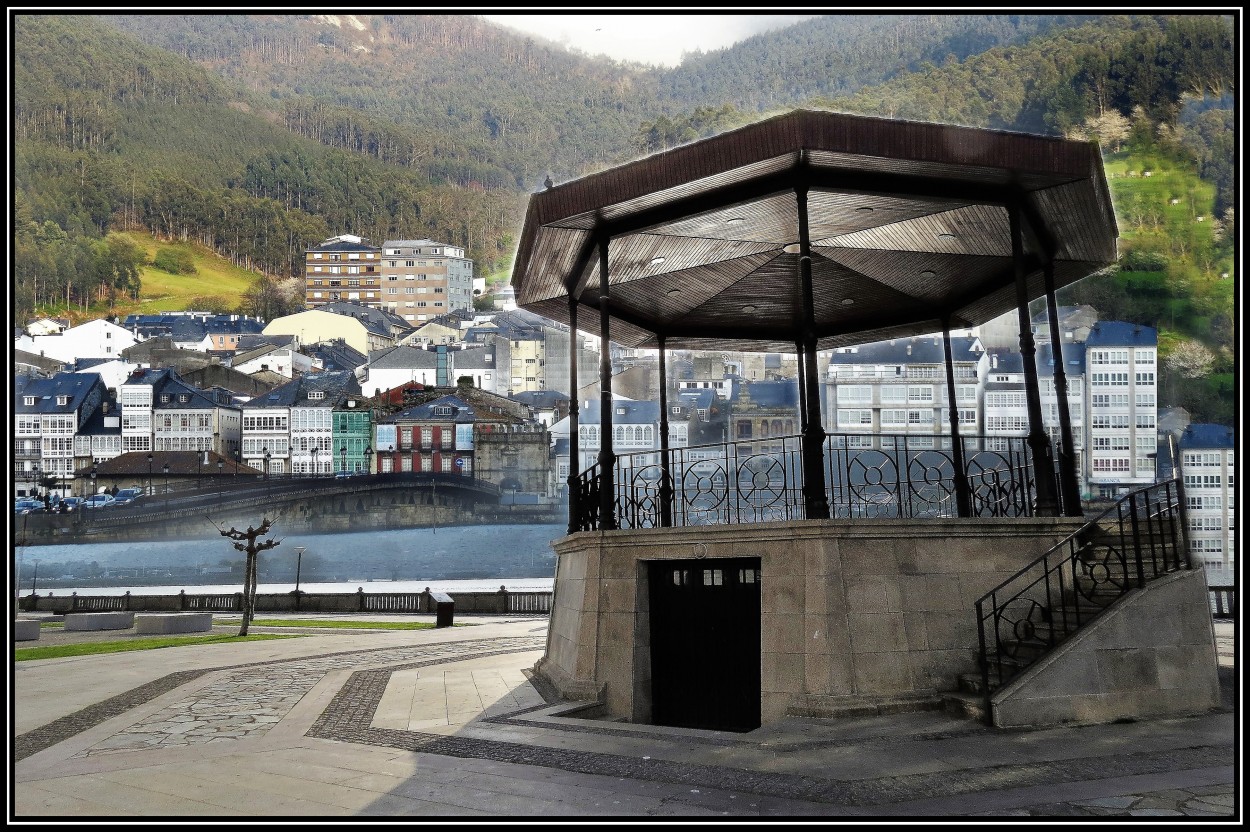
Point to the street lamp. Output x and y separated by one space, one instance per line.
368 460
220 466
93 473
316 450
151 490
266 450
343 459
236 462
35 580
299 559
166 486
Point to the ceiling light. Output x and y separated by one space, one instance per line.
928 273
866 209
655 261
793 248
748 309
946 236
848 301
734 221
674 291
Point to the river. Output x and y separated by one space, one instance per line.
465 558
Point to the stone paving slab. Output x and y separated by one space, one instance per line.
284 729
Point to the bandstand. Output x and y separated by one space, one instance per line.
727 586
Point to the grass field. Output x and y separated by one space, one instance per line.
215 285
214 278
91 648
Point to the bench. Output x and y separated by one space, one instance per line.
99 620
26 629
173 622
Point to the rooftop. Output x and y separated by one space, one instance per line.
909 225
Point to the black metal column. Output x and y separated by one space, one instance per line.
802 373
1039 443
575 456
666 479
816 503
963 494
1070 487
607 456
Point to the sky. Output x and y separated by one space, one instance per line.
646 38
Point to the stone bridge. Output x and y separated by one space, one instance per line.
308 504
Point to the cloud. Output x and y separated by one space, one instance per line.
646 38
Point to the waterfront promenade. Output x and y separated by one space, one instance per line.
440 723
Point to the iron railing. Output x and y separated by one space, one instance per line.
754 481
1223 599
500 602
1140 538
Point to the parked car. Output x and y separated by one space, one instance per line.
28 507
98 501
68 504
127 496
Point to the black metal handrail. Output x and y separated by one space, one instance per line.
757 480
1140 538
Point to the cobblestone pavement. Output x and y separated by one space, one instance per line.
249 701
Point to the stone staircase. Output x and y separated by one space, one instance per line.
1138 539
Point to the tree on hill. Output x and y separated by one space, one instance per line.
1190 359
174 261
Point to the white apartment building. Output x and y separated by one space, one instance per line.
1121 364
1209 472
899 387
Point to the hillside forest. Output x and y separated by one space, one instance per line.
252 137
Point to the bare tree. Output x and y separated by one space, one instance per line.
253 548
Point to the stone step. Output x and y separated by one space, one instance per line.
973 685
965 705
838 707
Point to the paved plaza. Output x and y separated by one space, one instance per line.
427 724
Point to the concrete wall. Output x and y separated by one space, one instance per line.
851 610
1151 654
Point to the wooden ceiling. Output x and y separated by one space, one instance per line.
908 224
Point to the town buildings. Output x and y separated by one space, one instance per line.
49 413
161 412
467 432
93 339
900 387
315 424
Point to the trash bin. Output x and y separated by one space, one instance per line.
444 609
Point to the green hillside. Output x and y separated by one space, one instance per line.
250 137
215 285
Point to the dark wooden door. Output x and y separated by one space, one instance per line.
705 643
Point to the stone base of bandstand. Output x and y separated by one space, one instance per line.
851 610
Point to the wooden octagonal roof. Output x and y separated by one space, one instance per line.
908 224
